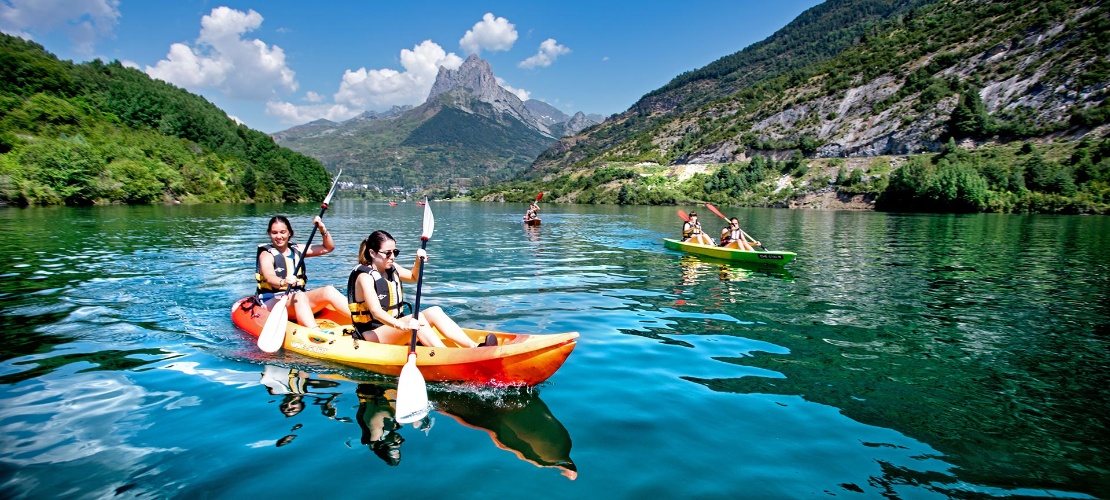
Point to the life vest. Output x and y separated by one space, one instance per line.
689 229
282 266
389 292
730 236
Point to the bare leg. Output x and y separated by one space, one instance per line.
439 319
390 335
323 296
301 306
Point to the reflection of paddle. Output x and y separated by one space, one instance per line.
719 214
412 392
273 332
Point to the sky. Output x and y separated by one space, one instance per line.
274 64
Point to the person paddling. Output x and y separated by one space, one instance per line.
692 233
734 237
276 263
375 299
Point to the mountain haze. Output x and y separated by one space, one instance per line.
469 131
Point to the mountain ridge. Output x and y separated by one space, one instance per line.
488 135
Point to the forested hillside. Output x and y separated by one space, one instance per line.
96 133
950 105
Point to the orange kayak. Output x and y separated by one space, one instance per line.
518 358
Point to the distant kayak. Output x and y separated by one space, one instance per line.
518 358
532 222
763 257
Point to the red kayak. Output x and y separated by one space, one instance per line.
518 358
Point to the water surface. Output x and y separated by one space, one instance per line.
912 356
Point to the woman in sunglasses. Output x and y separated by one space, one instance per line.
733 237
376 300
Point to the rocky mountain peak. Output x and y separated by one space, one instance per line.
475 74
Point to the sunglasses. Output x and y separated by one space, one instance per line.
386 253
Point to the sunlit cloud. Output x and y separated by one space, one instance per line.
82 21
293 114
491 33
311 96
378 89
524 95
549 51
222 59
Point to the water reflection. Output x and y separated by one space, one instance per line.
517 421
696 268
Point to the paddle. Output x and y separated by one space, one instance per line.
273 332
719 214
683 216
412 393
538 196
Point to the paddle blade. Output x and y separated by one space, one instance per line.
331 191
412 393
429 221
683 216
273 332
538 196
714 210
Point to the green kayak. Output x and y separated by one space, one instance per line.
765 257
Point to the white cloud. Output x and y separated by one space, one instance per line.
311 96
292 114
83 21
378 89
524 95
222 59
383 88
549 51
489 34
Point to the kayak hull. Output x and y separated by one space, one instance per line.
532 222
518 359
766 258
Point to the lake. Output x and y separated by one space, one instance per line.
900 355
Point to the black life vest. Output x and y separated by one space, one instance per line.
282 266
390 296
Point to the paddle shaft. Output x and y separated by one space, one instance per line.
323 208
416 305
719 214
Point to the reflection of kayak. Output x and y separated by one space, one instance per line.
532 222
518 422
525 427
518 359
732 254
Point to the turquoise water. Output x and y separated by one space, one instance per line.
910 356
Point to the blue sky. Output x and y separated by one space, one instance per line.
279 63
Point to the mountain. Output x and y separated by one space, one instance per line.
937 83
469 131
